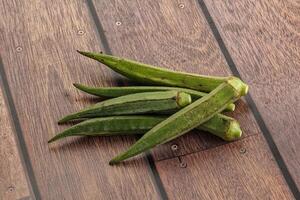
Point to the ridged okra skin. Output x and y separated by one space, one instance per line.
109 92
133 104
220 125
160 76
109 126
186 119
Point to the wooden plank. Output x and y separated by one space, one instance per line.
239 170
263 39
13 183
175 34
39 39
164 34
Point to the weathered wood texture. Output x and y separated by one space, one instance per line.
239 170
164 33
263 38
38 39
13 183
38 43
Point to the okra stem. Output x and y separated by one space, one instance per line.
156 75
120 91
186 119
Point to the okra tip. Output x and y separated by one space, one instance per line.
77 85
85 53
105 59
80 86
92 55
112 162
61 121
54 139
120 158
87 89
63 134
65 119
234 131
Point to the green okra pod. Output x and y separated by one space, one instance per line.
155 75
186 119
109 92
220 125
109 126
121 91
139 103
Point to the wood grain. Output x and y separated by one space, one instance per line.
38 43
13 183
162 33
239 170
39 39
263 38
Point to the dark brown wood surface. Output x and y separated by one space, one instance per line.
38 42
239 170
38 52
263 38
180 46
13 183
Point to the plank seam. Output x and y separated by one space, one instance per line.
149 158
155 176
21 145
261 123
98 26
101 34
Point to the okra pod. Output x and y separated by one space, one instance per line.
109 92
220 125
186 119
121 91
139 103
156 75
114 125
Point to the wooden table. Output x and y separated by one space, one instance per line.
258 41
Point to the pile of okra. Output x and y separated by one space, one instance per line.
169 105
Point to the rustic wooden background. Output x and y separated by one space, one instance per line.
256 40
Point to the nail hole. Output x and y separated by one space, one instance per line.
183 165
118 23
243 150
80 32
174 147
181 5
19 49
11 188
